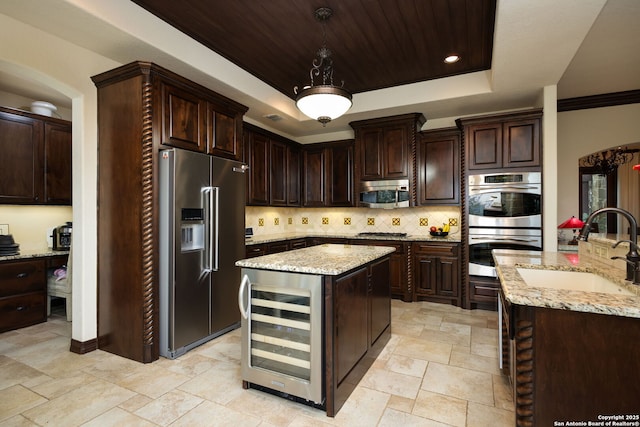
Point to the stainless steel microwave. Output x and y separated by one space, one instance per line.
388 194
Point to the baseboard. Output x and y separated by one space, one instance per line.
82 347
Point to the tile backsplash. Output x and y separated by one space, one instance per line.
413 221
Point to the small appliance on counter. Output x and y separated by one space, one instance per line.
8 246
62 237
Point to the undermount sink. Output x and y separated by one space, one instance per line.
570 280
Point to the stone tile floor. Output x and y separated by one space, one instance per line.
440 368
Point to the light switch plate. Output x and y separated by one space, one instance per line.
4 228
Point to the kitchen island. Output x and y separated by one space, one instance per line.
571 355
314 320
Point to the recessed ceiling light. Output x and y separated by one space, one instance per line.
451 59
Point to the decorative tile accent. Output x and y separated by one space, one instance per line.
276 221
371 221
290 221
305 220
347 221
260 222
395 221
453 222
325 220
424 222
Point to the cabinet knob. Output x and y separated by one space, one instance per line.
22 275
21 308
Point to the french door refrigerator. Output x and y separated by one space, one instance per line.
201 204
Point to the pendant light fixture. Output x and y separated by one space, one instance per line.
323 102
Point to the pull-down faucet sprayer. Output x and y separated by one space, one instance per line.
632 258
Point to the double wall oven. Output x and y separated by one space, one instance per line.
505 212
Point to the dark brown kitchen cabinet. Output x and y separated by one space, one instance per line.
503 141
384 146
398 275
483 292
438 174
23 293
35 166
224 134
274 169
142 108
328 174
437 272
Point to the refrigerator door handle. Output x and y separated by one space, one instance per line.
214 244
243 286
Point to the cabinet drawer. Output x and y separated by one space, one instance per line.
436 249
23 310
483 292
17 277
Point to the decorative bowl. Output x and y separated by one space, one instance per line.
439 233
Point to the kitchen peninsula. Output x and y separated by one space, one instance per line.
571 355
314 320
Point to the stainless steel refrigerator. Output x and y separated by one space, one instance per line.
201 204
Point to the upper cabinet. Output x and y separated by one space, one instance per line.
328 174
438 174
194 120
35 165
274 168
503 141
384 147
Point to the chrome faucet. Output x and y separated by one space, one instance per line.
632 258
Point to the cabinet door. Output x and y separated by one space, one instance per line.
340 176
448 277
223 137
370 148
294 165
57 164
350 311
521 143
258 160
484 146
314 178
439 169
379 297
425 283
396 152
184 119
21 162
278 174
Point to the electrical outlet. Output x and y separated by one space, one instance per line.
4 228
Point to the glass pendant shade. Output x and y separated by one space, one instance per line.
323 102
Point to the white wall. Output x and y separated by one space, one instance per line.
67 68
583 132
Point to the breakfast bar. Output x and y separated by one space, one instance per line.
570 337
314 320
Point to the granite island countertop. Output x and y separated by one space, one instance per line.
518 292
327 259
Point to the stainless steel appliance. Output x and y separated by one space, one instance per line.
505 200
201 203
388 194
282 333
483 240
62 237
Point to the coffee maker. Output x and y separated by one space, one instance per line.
62 237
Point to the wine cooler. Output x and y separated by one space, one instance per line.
282 332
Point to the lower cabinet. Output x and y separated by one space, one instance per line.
483 292
437 272
23 293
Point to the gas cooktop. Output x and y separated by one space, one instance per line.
382 234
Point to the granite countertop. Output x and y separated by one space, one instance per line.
269 238
518 292
33 254
327 259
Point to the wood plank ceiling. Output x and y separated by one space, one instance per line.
375 43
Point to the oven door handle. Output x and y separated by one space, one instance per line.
498 239
487 189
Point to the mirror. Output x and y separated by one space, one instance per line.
602 185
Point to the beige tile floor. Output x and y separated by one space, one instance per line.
440 368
